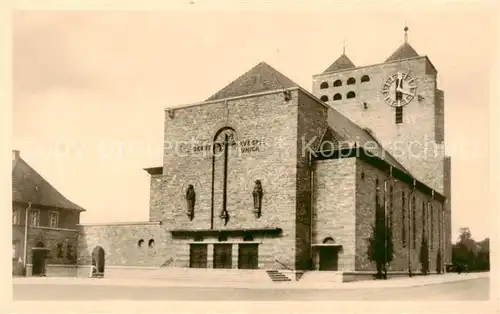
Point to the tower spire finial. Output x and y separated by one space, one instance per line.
406 32
343 47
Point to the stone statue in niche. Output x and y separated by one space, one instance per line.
257 198
190 200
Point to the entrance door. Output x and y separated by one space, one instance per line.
223 256
39 262
248 256
198 256
328 258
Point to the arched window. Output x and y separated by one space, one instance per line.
391 203
365 78
351 95
323 85
424 225
351 81
414 220
324 98
151 242
140 242
432 226
337 83
337 97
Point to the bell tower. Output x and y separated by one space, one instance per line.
398 102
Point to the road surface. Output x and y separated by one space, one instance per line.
471 289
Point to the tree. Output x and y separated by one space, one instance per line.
380 247
483 256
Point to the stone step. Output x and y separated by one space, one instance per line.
198 275
277 276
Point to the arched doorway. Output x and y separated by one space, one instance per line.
98 261
39 259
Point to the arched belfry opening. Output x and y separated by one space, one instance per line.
224 149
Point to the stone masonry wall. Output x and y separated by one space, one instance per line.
403 242
312 123
334 207
265 123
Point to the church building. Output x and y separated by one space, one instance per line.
266 176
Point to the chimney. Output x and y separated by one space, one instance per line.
15 155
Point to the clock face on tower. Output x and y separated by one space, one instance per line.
399 89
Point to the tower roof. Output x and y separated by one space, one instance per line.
405 51
342 63
260 78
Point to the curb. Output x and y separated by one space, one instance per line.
396 283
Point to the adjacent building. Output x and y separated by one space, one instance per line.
44 224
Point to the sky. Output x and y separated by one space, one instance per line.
90 88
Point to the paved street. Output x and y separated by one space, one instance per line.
471 289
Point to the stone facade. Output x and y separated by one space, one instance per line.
334 213
273 162
122 244
344 209
407 243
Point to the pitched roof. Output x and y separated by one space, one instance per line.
347 131
342 63
29 186
260 78
404 51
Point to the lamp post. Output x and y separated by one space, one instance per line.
25 245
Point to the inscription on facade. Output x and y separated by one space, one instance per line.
244 146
